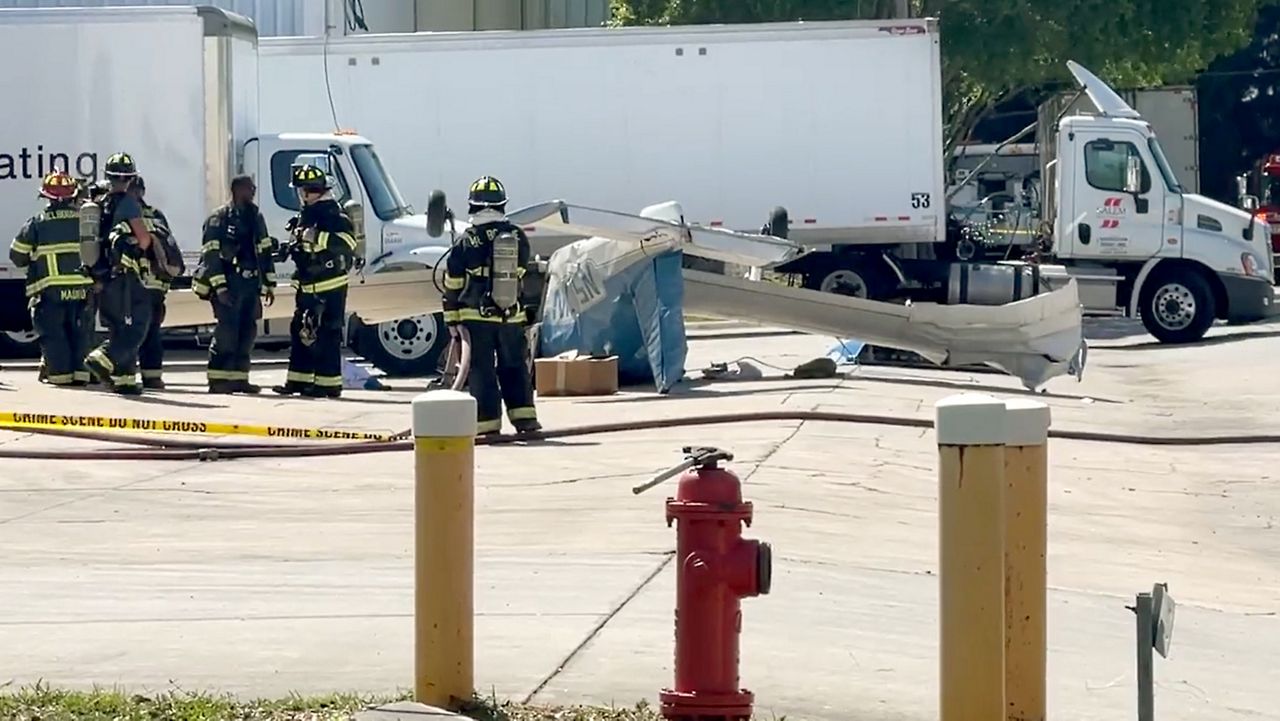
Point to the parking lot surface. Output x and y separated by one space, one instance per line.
269 576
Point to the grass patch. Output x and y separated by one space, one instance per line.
43 703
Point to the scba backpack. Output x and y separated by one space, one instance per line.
165 253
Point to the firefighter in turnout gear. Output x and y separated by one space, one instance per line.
151 354
122 243
323 251
48 246
482 293
237 274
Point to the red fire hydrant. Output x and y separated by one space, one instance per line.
716 568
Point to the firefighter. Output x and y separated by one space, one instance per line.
323 251
48 246
238 276
482 293
124 241
151 354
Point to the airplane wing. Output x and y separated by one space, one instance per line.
659 225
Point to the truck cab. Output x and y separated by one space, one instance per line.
1177 260
393 236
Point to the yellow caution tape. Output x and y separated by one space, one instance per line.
49 420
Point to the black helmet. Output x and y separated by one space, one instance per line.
309 177
487 192
120 166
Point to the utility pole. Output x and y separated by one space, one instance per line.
902 8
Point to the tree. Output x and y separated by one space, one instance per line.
1240 109
996 49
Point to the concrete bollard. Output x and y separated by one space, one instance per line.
1026 501
444 430
971 433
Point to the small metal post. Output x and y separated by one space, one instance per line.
1155 612
1146 659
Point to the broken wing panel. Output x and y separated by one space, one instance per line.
656 225
1034 339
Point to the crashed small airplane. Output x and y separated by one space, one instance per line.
1034 339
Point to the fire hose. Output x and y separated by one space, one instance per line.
167 450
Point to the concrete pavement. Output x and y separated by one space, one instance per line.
268 576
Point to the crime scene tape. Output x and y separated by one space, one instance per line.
49 420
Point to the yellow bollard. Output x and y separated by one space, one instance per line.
1026 500
971 432
444 430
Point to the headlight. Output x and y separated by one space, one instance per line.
1252 265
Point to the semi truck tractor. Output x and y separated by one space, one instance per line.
177 88
835 127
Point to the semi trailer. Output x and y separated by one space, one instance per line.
177 88
836 126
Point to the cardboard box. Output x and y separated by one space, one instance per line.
580 376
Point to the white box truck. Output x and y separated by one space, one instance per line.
839 123
176 87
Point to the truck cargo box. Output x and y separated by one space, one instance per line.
840 122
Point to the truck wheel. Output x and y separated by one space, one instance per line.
1177 306
405 347
855 279
19 344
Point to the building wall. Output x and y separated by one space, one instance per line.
273 17
306 17
509 14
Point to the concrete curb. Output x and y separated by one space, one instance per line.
404 711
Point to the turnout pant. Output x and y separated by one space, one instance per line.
318 364
499 373
126 312
151 354
237 329
60 316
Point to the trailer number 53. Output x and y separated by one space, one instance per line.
920 200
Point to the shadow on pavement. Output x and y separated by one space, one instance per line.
704 389
1207 341
982 388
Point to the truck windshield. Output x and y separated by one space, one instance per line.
384 197
1170 180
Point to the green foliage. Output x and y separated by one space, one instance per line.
994 49
44 703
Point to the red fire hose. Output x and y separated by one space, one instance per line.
184 450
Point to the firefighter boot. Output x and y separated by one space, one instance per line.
527 427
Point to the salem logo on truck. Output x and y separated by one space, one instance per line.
28 165
1111 212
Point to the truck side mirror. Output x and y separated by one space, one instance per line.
355 213
779 224
1133 175
437 213
1244 199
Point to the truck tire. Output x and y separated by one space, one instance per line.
859 278
1177 305
19 344
405 347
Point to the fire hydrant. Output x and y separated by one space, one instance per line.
716 568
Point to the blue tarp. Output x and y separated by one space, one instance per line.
637 316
